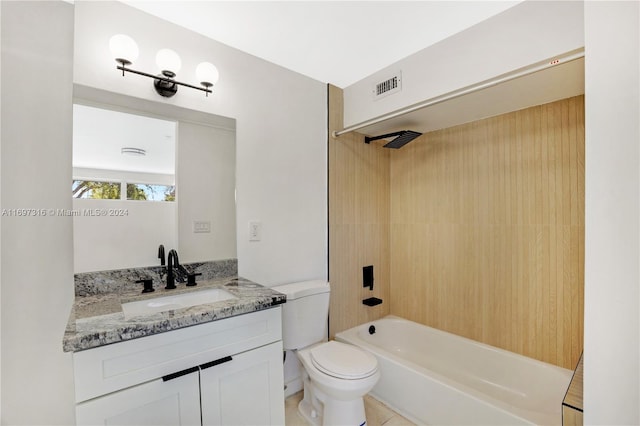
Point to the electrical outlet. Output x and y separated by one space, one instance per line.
201 226
255 231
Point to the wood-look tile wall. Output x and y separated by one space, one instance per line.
477 229
358 223
487 231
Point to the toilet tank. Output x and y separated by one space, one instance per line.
305 315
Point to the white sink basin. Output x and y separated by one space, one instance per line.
178 301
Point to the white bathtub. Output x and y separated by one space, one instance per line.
434 377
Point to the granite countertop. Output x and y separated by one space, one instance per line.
98 319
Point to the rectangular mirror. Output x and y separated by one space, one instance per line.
147 173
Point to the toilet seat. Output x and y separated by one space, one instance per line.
343 361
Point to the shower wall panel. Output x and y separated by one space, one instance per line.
487 231
358 223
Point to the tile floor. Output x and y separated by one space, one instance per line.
377 413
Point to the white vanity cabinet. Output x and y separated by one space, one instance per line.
158 403
243 391
218 373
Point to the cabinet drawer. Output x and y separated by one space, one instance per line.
113 367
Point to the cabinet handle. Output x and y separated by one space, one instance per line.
197 368
179 374
216 362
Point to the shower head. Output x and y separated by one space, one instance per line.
403 137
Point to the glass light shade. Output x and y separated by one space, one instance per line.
123 48
168 60
207 73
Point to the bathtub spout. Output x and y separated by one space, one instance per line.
372 301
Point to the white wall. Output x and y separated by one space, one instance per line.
0 228
37 269
530 32
281 160
612 182
127 236
280 132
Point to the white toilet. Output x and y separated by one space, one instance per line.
336 375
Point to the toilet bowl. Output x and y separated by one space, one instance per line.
341 370
336 375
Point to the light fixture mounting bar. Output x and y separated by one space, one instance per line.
165 79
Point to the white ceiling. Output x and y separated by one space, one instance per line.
342 42
337 42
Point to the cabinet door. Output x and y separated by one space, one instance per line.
158 403
246 390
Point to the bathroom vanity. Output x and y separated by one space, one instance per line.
214 363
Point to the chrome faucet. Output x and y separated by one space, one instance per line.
172 261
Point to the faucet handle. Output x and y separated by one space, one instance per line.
148 285
191 279
161 254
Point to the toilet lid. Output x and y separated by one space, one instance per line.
343 361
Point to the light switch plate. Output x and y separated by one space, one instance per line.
255 230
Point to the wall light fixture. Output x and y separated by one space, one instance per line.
125 51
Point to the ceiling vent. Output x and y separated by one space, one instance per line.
388 86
